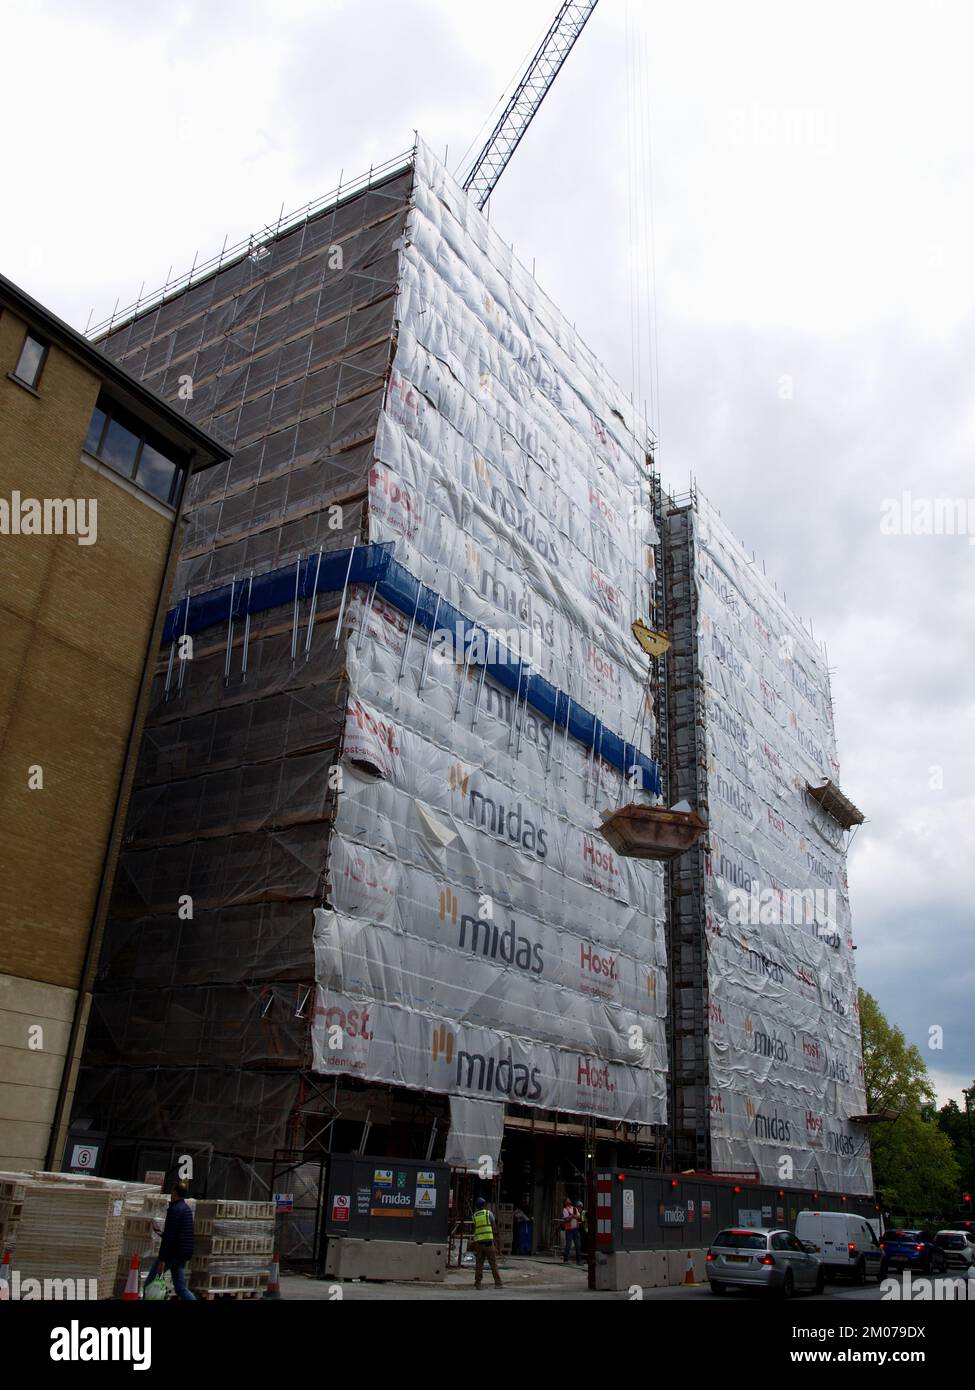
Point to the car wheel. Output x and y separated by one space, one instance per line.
860 1274
788 1285
884 1267
820 1285
718 1288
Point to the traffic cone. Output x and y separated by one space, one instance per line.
131 1294
273 1289
689 1271
5 1277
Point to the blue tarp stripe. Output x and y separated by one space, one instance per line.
374 564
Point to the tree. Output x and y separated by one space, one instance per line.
960 1129
915 1169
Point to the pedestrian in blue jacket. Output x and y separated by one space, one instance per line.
176 1247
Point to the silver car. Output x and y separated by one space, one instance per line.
958 1247
740 1257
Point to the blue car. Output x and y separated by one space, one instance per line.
913 1249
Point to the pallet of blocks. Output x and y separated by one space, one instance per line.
12 1193
145 1218
68 1236
233 1244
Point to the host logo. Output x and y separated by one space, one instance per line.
354 1023
595 1077
596 964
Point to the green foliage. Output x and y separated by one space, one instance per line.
960 1130
916 1171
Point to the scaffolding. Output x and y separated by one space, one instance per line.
199 1029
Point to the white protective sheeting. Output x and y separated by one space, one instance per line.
476 1131
784 1038
477 918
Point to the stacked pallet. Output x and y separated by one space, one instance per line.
70 1233
12 1193
233 1244
70 1230
144 1220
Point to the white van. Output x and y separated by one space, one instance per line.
846 1243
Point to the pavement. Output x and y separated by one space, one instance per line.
540 1278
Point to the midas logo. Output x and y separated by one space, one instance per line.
449 905
749 1029
509 823
481 469
472 557
459 779
750 1111
652 984
443 1044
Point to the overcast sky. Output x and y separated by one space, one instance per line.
814 226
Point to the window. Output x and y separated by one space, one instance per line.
740 1240
130 448
31 361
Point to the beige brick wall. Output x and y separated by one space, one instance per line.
74 625
31 1063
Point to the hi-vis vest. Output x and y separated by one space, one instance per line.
482 1225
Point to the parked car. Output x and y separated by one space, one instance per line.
959 1247
846 1244
913 1249
769 1259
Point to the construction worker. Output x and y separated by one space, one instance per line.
484 1238
570 1225
176 1248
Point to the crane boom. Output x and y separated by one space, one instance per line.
528 96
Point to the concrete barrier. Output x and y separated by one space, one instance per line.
351 1258
650 1269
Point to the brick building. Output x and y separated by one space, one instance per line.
93 467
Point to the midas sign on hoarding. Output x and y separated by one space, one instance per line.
381 1042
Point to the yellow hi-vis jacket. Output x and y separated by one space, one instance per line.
482 1226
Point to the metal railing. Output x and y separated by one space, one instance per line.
270 232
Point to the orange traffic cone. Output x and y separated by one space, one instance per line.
689 1272
273 1289
5 1277
131 1294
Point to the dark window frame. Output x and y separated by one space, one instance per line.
31 337
145 435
